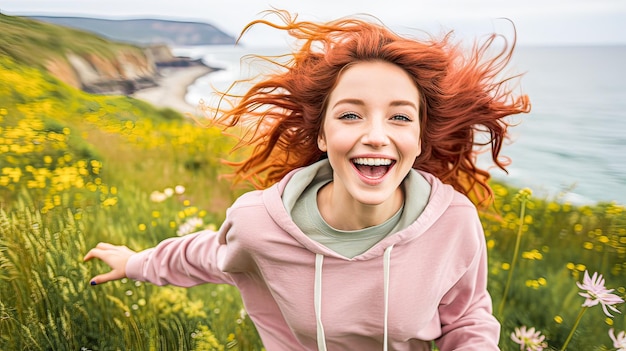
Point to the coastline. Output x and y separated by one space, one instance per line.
172 88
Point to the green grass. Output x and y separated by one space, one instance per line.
77 169
558 243
33 42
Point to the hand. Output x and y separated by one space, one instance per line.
115 256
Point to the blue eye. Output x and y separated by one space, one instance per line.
349 115
402 118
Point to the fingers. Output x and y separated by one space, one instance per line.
96 252
93 253
114 256
106 277
106 246
101 250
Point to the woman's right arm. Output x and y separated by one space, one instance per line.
182 261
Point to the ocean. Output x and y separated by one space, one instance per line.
570 147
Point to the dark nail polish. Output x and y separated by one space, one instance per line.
93 282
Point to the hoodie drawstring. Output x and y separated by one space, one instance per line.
319 262
321 339
386 264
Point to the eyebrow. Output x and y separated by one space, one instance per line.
360 102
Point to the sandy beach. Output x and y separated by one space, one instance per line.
172 88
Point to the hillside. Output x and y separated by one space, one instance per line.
146 31
84 60
80 59
78 168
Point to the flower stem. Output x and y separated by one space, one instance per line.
571 333
515 254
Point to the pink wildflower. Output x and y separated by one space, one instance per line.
598 293
619 342
529 339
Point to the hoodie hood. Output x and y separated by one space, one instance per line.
441 195
278 208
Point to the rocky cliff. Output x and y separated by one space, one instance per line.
122 74
82 59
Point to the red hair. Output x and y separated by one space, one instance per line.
462 93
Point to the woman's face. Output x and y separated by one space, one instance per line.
371 132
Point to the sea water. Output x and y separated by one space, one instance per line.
571 146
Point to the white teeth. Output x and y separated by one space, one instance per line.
370 161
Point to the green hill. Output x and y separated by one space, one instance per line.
35 101
76 169
147 31
34 42
81 59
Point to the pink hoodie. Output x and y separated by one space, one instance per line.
426 282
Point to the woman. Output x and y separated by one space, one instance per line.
364 237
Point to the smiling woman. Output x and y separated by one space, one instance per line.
460 94
371 136
364 143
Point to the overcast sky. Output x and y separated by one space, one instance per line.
538 22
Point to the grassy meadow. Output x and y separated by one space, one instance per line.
77 169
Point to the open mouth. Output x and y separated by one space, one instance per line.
373 168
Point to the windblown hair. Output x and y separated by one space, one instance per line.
461 91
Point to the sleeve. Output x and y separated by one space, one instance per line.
467 321
183 261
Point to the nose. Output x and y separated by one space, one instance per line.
375 134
